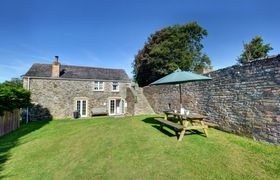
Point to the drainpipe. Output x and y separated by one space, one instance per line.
27 110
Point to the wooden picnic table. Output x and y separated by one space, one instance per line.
193 121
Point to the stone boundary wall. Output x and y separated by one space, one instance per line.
242 99
9 122
130 100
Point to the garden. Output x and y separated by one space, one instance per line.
130 148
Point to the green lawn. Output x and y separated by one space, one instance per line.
130 148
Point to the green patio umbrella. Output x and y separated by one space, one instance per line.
179 77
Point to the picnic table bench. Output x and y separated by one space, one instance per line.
175 126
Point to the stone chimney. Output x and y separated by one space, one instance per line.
55 67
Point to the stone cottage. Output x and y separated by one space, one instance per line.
63 89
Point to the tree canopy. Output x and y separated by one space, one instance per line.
13 96
254 49
14 82
170 48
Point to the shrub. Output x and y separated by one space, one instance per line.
12 98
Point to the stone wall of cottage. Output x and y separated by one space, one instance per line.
59 96
243 99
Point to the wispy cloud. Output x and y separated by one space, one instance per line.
83 57
90 55
15 61
23 52
12 71
31 50
13 67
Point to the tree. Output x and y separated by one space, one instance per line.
254 49
14 82
13 96
170 48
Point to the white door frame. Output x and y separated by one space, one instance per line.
81 107
121 111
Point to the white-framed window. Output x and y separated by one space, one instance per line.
98 86
115 86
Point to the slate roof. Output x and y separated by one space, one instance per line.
78 72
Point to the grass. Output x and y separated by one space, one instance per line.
130 148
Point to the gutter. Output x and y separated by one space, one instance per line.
27 110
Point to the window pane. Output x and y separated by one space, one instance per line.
122 105
112 106
101 85
115 86
78 106
84 108
96 85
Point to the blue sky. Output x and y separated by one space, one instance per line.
109 33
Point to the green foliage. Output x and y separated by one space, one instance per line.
170 48
12 97
14 82
254 49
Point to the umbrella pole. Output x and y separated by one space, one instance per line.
180 91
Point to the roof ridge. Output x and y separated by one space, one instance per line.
92 67
81 66
78 72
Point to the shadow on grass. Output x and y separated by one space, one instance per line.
156 125
11 140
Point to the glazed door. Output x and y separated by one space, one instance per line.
116 107
112 107
82 107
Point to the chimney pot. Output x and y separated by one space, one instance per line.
56 60
55 67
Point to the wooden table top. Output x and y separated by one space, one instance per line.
189 116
